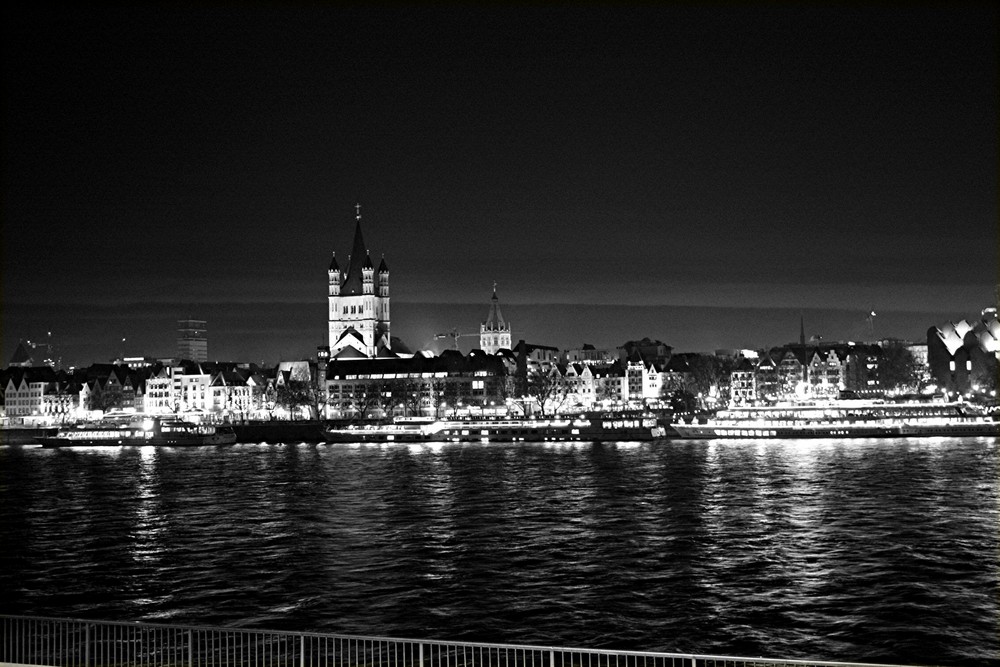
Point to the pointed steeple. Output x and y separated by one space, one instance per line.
802 342
358 248
333 264
494 321
21 355
354 279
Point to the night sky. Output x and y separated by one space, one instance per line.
701 174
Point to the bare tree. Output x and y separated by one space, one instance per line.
897 367
505 389
546 388
106 400
451 394
407 393
373 397
436 392
297 394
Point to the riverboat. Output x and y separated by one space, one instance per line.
843 419
586 427
140 432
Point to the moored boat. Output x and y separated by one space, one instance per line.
591 427
843 419
140 432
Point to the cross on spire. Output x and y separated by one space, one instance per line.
357 208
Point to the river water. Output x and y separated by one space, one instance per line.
870 550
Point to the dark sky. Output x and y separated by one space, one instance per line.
161 161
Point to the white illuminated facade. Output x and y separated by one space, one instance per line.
358 297
159 397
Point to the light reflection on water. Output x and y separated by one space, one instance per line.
857 550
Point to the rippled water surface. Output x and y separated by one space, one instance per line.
858 550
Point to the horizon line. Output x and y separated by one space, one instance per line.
186 305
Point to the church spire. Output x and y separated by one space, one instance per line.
494 321
802 342
357 260
494 333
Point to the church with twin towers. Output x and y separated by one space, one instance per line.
358 311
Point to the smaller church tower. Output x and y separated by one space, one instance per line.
368 275
494 333
383 279
334 276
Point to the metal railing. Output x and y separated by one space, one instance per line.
81 643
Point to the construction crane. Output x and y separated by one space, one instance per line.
871 326
50 356
454 334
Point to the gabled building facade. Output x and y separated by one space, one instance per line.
815 371
39 394
231 396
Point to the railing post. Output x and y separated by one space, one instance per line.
190 648
552 658
420 662
302 651
86 645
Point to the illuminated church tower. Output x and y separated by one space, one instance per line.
359 302
494 333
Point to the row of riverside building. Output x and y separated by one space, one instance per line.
364 372
638 373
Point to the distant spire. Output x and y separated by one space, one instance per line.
802 342
21 355
494 321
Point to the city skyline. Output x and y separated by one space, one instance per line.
673 172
